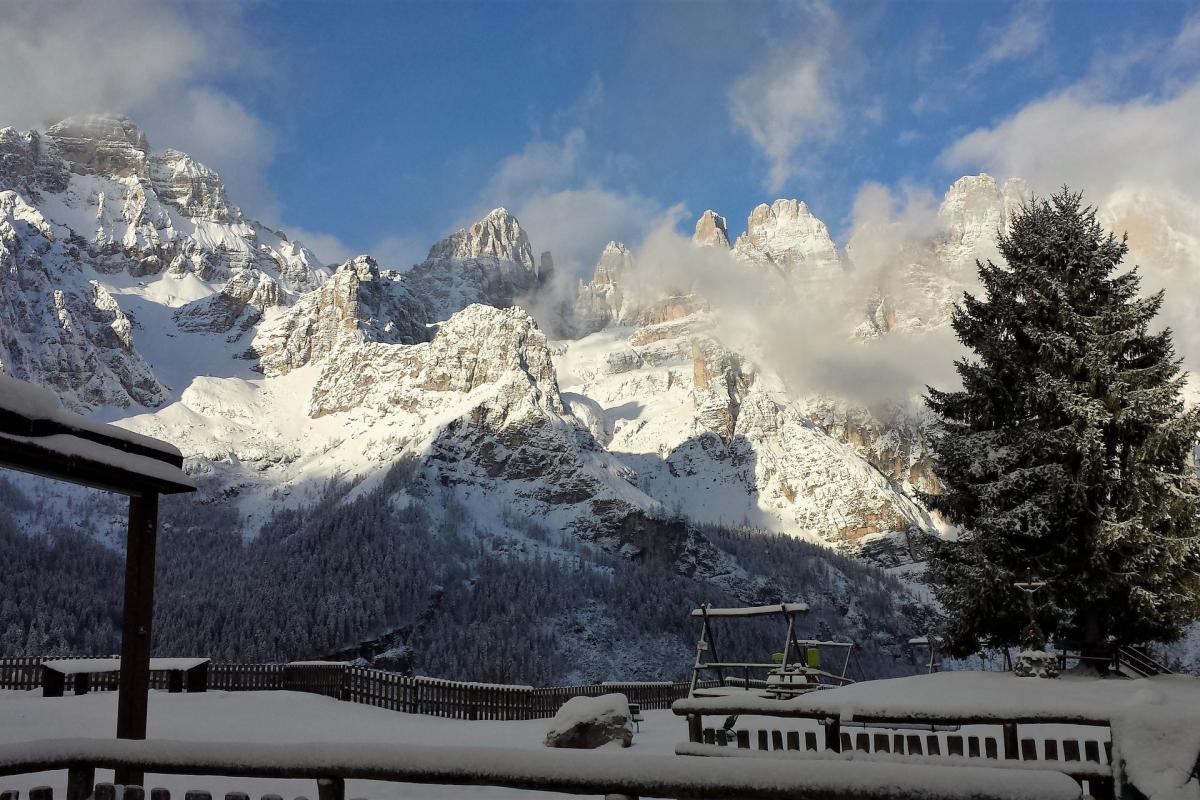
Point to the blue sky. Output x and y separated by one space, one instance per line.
381 126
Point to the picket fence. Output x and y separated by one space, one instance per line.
412 694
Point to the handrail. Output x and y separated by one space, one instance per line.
553 771
820 709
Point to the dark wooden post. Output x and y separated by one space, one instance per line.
833 733
331 789
53 682
1011 744
197 678
80 782
136 620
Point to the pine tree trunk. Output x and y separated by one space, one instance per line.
1094 647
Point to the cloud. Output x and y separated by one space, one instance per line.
157 62
782 106
559 191
1026 35
328 248
804 334
220 132
1135 158
574 224
1091 144
399 252
540 164
791 98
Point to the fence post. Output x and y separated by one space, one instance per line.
331 789
833 733
80 782
1011 744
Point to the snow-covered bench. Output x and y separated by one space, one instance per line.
191 673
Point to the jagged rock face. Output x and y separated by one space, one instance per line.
238 306
25 165
787 237
722 440
190 186
60 330
358 304
482 402
497 236
108 206
490 262
102 145
609 298
974 210
711 231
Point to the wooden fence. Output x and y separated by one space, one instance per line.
415 695
566 772
983 738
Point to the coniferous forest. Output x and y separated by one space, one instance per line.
452 600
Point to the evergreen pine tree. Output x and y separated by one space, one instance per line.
1067 454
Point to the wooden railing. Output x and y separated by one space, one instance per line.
559 771
892 738
413 694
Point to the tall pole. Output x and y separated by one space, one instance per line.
136 619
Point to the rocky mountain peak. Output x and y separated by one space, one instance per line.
102 144
975 209
711 230
615 262
190 186
789 236
497 236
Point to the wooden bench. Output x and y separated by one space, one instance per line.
191 673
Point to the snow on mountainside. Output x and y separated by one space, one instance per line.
134 289
137 284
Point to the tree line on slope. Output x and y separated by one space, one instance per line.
469 604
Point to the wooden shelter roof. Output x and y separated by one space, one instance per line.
37 435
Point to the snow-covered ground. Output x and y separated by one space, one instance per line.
1155 726
291 717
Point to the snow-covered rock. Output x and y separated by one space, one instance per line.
787 237
590 722
711 230
109 227
610 297
974 211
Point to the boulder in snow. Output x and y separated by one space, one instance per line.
589 722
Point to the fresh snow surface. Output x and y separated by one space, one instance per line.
74 447
1155 722
74 666
239 727
36 403
751 611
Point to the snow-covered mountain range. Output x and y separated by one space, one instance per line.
132 287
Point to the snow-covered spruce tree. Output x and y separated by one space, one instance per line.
1068 453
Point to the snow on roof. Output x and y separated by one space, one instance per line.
552 770
751 611
43 438
75 666
35 403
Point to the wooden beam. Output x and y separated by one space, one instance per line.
136 621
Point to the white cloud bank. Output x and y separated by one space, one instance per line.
158 63
791 99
